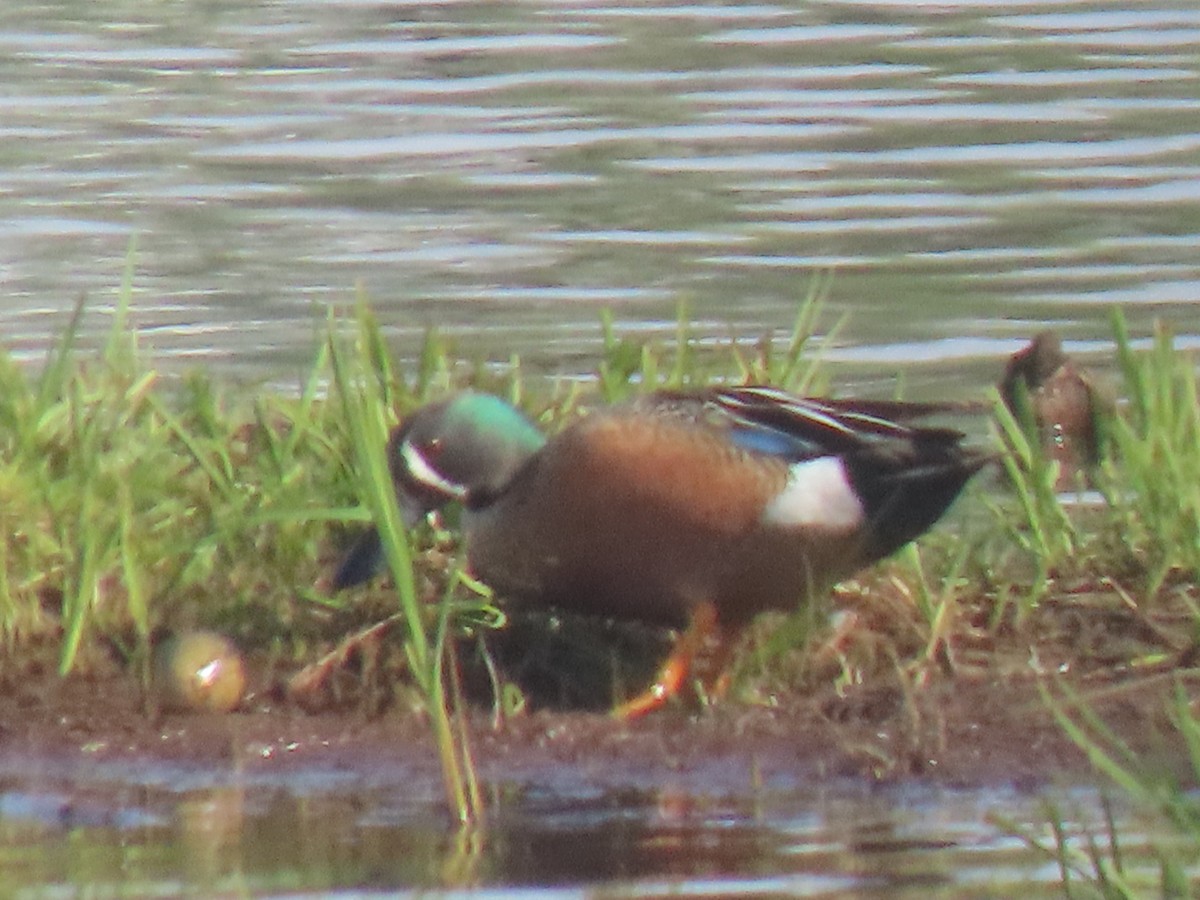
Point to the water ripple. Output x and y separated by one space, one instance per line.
506 169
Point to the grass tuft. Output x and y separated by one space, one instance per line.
1151 481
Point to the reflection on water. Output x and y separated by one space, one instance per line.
971 171
316 832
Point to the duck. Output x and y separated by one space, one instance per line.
693 509
1063 401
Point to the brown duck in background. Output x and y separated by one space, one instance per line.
1063 401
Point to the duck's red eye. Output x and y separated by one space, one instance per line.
432 449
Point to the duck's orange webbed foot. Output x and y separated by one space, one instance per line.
702 627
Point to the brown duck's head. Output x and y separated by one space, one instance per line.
1036 363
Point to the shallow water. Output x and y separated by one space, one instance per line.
159 829
969 172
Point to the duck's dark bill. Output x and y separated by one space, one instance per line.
363 561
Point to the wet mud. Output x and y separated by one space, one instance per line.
964 731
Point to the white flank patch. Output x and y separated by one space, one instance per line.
423 473
818 495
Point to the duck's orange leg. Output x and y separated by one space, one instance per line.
674 673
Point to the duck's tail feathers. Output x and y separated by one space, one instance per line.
903 502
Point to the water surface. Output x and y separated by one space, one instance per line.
970 172
155 830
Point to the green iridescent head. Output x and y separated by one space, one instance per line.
467 448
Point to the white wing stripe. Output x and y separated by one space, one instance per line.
818 495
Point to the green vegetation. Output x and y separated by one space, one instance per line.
135 504
1095 860
1141 550
1150 481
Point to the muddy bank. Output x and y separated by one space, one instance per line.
956 732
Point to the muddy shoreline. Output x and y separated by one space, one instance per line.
951 732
